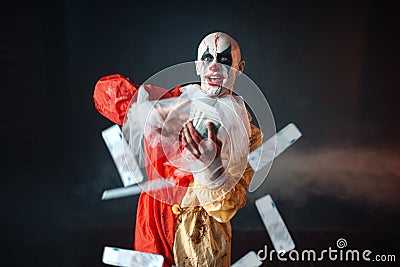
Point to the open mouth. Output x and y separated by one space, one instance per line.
214 80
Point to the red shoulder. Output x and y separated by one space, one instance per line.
114 93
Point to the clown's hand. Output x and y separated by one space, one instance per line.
169 118
208 150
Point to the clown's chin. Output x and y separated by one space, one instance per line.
213 90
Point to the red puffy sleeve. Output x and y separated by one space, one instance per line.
114 93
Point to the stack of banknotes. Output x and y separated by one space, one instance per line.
201 113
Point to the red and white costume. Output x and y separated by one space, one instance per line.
189 231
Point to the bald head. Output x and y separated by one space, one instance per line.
217 43
218 63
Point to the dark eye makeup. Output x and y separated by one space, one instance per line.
225 57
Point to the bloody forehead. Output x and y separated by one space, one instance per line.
216 38
216 42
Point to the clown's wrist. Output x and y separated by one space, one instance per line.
215 169
213 176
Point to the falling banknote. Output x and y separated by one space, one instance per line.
274 224
268 151
274 146
248 260
136 189
130 258
125 162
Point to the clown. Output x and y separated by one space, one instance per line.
194 228
218 63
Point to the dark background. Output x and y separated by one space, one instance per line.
331 67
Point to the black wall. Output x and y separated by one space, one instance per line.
329 66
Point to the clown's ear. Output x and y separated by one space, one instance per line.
241 66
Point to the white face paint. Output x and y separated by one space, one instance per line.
217 64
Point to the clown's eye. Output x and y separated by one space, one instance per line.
224 58
208 58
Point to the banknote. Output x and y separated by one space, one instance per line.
274 146
124 160
130 258
248 260
136 189
121 192
276 228
201 113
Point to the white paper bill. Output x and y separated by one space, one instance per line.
136 189
201 113
248 260
130 258
264 154
274 224
122 156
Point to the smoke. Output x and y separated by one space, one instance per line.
367 175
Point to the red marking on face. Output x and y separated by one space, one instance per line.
216 42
